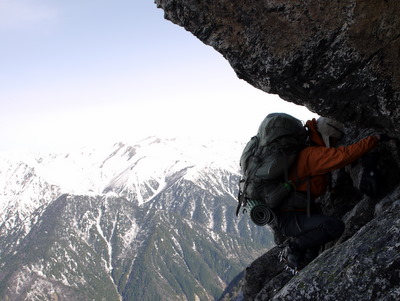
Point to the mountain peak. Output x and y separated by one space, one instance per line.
151 221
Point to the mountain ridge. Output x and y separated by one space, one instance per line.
176 228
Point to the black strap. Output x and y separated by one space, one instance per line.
240 204
308 196
286 167
256 156
298 182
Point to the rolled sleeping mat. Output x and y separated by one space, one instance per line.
259 212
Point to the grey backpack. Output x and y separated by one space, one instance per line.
265 163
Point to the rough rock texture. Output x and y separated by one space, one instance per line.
338 58
341 59
366 267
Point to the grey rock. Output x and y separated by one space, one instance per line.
340 59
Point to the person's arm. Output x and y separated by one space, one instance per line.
320 160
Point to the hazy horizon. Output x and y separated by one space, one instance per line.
76 73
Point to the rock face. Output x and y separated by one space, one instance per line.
338 58
341 59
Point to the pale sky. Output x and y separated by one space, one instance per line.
78 72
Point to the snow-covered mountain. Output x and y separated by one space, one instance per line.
152 220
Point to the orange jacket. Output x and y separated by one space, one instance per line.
318 161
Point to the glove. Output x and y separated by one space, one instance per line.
384 138
370 175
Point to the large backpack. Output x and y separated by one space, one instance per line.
265 163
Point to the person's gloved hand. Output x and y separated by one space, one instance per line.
384 138
369 178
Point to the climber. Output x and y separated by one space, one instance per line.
299 217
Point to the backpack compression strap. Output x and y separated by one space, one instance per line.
241 195
240 198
